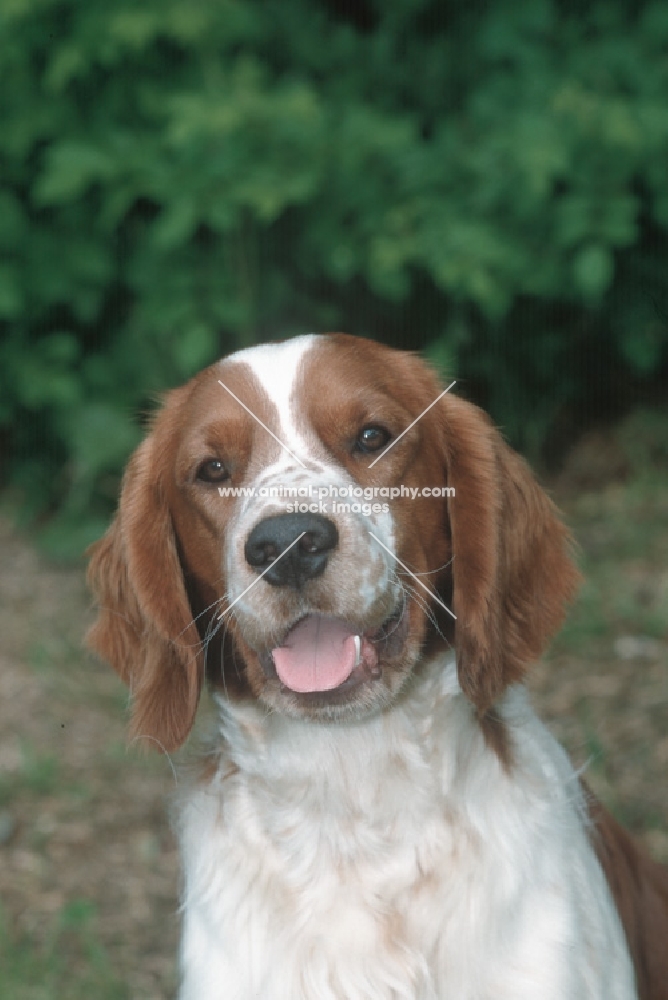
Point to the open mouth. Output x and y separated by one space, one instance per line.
322 654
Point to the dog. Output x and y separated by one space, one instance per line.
362 571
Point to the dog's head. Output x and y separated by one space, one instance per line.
303 523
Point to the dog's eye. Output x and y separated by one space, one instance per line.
212 471
372 438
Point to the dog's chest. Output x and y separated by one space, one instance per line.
332 880
391 861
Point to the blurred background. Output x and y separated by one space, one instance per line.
487 183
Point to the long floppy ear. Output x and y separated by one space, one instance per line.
512 570
145 627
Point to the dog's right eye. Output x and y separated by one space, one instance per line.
372 438
212 471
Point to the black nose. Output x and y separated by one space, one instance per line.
271 537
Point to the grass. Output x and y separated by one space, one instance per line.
38 776
623 540
604 685
68 964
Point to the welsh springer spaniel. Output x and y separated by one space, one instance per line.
384 817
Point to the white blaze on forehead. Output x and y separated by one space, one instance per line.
275 366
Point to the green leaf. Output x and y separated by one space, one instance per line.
643 346
195 348
70 168
12 220
101 436
593 268
11 295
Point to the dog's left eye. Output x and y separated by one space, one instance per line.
372 438
212 471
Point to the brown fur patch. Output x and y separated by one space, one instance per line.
640 889
497 737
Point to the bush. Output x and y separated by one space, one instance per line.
184 179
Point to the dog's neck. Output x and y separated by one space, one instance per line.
424 755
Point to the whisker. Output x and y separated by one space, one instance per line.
421 601
154 739
431 572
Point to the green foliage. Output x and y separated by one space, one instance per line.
183 179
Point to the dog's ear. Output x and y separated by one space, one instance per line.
145 626
513 574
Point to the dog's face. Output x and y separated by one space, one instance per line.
237 534
304 574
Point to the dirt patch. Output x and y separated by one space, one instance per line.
82 818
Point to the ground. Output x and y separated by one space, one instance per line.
88 866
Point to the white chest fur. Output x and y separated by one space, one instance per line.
394 860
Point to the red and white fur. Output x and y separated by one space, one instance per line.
396 824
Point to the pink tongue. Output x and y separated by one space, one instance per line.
318 654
